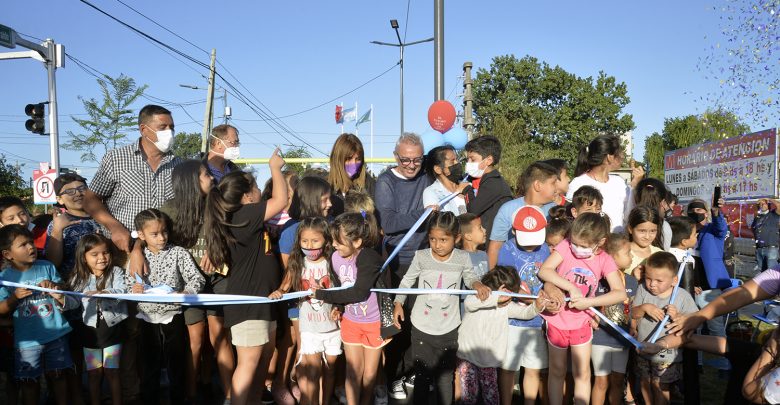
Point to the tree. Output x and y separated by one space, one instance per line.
682 132
12 183
296 152
539 111
109 120
186 145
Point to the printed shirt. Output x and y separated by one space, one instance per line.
70 238
585 274
315 314
479 260
363 312
37 319
127 183
437 314
173 266
527 265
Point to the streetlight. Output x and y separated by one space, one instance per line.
401 44
227 112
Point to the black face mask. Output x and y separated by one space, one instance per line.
668 213
456 173
696 217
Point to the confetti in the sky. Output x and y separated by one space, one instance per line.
745 61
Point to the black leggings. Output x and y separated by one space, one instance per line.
435 358
163 345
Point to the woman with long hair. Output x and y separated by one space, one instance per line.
235 223
596 160
191 183
348 171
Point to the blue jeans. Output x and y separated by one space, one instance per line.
768 254
31 361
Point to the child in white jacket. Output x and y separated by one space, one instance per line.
482 337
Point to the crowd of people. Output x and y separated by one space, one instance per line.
150 222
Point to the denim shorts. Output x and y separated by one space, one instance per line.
30 362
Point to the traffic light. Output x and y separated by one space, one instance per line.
36 123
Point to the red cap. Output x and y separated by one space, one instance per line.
529 224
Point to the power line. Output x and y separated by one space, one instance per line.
339 96
239 95
162 26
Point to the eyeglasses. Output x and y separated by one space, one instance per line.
72 191
407 161
231 143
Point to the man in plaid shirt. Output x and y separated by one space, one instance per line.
134 177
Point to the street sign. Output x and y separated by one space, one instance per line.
43 184
7 37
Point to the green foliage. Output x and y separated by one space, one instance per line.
109 119
539 111
296 152
11 181
187 145
682 132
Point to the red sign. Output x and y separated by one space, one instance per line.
745 167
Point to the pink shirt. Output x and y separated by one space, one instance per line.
585 274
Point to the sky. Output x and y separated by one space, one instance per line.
292 56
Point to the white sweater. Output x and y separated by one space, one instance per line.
483 333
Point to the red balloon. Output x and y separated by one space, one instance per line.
441 115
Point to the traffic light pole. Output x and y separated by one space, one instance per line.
54 138
53 56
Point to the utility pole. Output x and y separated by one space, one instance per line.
225 109
204 145
438 49
468 100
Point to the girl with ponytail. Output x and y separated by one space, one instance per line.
235 228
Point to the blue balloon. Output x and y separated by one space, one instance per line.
431 139
457 137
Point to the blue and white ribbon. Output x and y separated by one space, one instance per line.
617 328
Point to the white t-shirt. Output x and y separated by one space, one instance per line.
436 191
616 194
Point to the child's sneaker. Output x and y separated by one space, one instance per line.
397 389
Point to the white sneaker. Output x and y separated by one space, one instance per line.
397 389
380 395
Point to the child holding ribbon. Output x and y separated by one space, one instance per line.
319 338
576 266
356 263
651 303
101 334
436 317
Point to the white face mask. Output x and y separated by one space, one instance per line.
473 170
164 140
231 153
